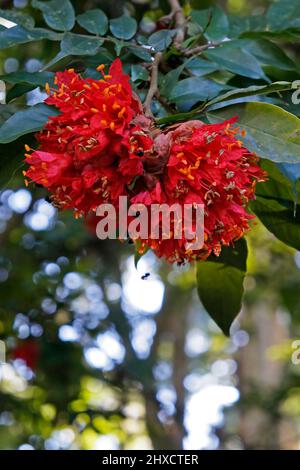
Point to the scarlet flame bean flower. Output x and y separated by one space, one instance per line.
91 151
102 146
206 165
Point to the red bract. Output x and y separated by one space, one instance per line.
207 165
92 150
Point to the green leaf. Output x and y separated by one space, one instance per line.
77 44
160 40
253 90
58 14
236 60
18 17
60 56
271 132
25 81
18 90
277 203
31 119
268 53
242 24
202 18
20 35
139 73
213 22
11 161
218 27
94 21
284 14
220 284
200 67
37 78
190 91
6 111
123 27
170 80
140 52
11 155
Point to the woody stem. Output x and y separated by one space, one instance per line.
179 17
153 84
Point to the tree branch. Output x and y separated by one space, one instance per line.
177 13
153 85
199 49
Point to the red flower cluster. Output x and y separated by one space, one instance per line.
91 151
206 165
101 146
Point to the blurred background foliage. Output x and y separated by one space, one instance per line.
98 357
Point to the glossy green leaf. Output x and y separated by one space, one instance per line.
11 155
236 60
170 80
17 90
160 40
94 21
37 78
11 161
19 35
218 26
243 24
139 73
271 132
192 90
253 90
58 14
200 67
77 44
123 27
220 284
284 14
140 52
268 53
31 119
213 22
23 82
18 17
201 18
277 203
6 111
